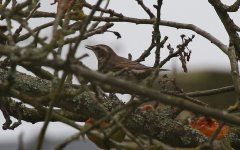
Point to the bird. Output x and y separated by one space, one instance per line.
109 61
135 72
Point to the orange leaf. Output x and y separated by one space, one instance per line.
207 126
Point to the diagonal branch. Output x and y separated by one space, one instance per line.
229 25
83 105
146 9
211 91
153 94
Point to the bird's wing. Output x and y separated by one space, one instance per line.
125 63
128 65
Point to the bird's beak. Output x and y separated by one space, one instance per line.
89 47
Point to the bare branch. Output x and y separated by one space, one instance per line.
211 91
173 24
178 102
146 9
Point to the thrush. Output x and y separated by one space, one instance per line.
109 61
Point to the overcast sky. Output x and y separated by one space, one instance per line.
136 38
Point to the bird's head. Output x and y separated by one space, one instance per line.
101 51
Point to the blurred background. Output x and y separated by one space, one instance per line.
208 67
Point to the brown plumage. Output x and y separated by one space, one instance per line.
108 61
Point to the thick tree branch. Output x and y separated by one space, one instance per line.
83 105
143 91
33 115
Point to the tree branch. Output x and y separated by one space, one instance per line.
155 95
173 24
84 105
211 91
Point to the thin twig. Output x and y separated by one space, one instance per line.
172 24
83 28
94 25
234 7
211 91
216 132
37 29
109 11
55 95
181 49
146 9
146 53
68 141
157 34
17 32
235 74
